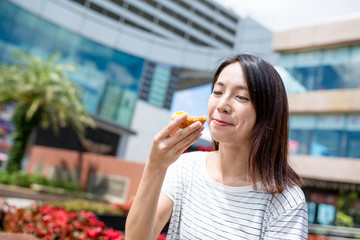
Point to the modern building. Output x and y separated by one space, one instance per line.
130 57
324 60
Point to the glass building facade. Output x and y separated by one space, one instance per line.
334 68
325 135
111 80
333 135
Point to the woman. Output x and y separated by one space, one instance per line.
245 189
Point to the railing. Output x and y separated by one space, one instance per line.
335 231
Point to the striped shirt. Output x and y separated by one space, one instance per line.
206 209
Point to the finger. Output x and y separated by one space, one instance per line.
186 146
187 138
186 132
172 126
175 131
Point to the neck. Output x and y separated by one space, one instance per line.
229 165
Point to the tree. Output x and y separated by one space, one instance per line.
44 97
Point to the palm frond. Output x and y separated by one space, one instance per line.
45 87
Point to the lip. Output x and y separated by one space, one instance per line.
221 123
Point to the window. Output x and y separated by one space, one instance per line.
228 16
82 2
226 28
173 14
202 29
224 41
353 144
183 4
118 2
299 141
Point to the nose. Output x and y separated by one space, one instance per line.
224 105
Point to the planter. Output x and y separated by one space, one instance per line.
117 222
8 191
64 192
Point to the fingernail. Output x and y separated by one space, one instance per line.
197 125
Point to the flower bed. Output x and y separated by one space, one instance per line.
47 222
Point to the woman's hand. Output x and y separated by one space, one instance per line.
171 142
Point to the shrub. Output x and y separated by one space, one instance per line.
50 223
22 179
77 205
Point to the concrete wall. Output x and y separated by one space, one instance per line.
327 101
253 38
148 120
86 164
327 168
335 34
109 32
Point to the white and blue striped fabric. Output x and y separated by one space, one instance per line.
205 209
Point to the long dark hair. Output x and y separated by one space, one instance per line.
268 160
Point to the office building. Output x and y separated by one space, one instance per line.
130 57
324 61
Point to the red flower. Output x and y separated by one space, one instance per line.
48 222
162 237
100 224
46 218
93 232
30 227
45 209
112 234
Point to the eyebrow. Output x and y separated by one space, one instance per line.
241 87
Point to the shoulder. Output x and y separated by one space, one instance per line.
190 158
290 199
188 161
288 217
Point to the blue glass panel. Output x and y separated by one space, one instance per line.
332 77
326 143
308 59
353 145
47 29
6 55
307 76
311 211
21 37
43 46
125 70
67 43
326 214
287 60
111 101
26 19
90 51
97 66
5 27
7 10
299 141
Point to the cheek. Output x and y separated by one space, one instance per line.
252 118
210 107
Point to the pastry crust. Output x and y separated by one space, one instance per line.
190 119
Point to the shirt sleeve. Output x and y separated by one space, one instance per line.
172 181
291 225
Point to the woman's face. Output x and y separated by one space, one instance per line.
231 114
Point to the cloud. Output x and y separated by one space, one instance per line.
279 15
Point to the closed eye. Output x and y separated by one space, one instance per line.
217 92
242 98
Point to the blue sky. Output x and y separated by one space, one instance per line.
193 101
279 15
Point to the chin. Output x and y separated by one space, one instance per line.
220 137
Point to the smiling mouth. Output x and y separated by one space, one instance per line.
221 123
